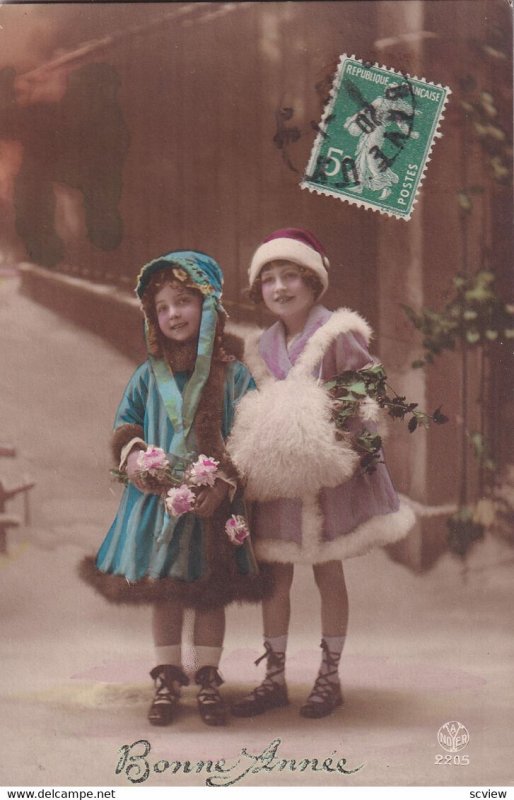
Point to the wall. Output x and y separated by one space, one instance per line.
192 95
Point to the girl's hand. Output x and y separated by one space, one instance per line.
209 498
143 483
133 472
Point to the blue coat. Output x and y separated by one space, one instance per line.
148 556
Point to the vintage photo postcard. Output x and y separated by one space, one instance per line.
256 326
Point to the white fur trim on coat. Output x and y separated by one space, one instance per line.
307 453
342 321
376 531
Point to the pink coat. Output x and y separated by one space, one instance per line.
347 519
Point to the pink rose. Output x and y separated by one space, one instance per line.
152 460
203 471
236 529
179 501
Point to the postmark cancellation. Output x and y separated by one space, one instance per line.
375 137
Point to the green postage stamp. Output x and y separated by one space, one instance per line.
375 137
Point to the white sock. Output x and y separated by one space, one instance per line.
169 654
277 643
204 656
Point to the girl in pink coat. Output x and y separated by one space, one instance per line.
313 503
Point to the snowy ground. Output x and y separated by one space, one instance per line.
421 650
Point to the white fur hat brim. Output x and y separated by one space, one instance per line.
287 249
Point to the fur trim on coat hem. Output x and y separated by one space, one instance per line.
378 531
206 593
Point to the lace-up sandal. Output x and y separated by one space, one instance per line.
269 694
326 693
167 678
211 706
325 697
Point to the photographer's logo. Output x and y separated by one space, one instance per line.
453 736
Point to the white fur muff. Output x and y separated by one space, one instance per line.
305 456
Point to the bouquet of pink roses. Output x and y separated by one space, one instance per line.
178 493
181 499
154 468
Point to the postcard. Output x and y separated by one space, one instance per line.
256 482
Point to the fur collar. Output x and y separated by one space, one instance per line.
233 345
342 321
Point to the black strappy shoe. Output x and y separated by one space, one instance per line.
269 694
211 706
326 694
166 678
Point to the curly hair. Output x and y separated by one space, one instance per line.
309 277
160 278
157 343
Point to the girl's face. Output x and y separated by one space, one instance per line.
284 291
179 311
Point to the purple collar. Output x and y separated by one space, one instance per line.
273 347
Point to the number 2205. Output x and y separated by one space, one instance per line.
449 758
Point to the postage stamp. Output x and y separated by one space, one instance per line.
375 137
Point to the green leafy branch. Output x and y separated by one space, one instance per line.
475 315
352 389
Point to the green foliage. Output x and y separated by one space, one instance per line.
349 389
369 446
475 315
120 476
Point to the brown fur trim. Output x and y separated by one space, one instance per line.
221 585
122 436
202 594
181 356
208 419
233 345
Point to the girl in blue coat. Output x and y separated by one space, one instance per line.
182 400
